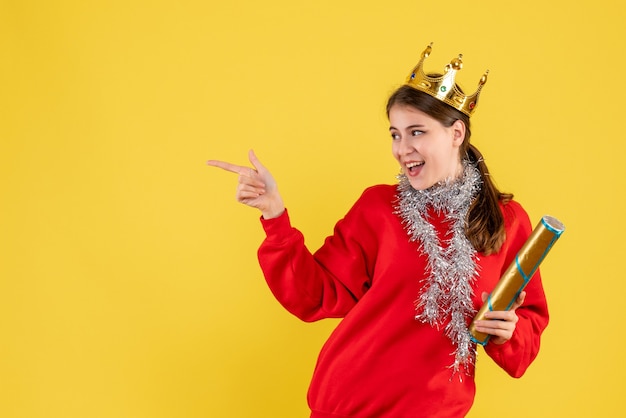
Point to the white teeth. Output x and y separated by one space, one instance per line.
414 164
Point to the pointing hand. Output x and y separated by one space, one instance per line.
257 188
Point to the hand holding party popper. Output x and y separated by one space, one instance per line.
519 273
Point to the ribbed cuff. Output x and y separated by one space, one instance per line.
277 226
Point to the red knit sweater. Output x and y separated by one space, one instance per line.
379 361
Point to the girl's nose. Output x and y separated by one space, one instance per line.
406 146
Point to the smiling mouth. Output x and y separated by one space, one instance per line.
414 165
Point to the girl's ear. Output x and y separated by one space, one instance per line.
458 132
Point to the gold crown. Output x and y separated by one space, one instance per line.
444 87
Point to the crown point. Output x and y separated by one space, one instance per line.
457 63
483 79
427 51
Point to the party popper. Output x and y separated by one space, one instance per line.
519 272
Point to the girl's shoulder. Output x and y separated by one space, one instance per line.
375 200
515 216
381 190
379 194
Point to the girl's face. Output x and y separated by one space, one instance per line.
428 152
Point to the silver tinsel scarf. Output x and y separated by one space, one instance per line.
446 293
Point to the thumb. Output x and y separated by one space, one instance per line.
519 301
484 296
255 161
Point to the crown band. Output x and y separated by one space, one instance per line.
444 87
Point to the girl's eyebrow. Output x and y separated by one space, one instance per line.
408 127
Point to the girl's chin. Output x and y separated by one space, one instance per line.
419 185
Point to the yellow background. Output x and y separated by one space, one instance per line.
129 285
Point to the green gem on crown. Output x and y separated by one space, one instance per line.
443 89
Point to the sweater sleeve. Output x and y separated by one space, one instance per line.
326 284
515 355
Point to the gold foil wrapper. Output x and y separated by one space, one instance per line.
519 273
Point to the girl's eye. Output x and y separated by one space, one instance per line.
416 132
395 135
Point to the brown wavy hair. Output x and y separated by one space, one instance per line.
485 222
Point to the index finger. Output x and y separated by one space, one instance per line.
233 168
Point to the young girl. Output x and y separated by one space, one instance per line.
407 267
